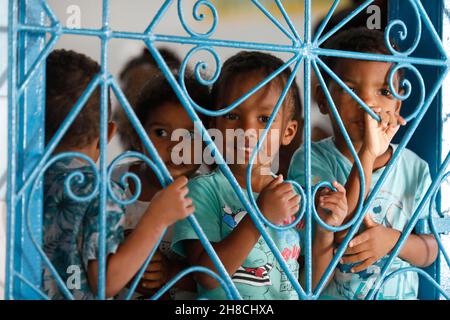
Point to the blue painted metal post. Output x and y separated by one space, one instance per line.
426 142
30 145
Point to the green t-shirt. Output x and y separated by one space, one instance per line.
218 211
393 206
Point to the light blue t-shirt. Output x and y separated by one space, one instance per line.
71 229
218 211
393 206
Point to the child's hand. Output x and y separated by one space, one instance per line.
332 206
278 201
371 245
170 204
378 136
157 272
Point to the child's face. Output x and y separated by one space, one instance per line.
163 121
251 117
369 80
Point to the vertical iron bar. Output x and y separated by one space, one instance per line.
103 149
12 148
307 142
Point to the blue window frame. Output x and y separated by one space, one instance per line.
31 21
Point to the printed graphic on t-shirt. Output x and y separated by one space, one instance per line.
231 218
345 280
257 277
255 271
390 210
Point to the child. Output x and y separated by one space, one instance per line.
161 114
399 195
238 243
134 75
71 229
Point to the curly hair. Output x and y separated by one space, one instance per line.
68 73
134 75
358 39
246 62
170 57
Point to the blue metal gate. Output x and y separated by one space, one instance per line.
30 22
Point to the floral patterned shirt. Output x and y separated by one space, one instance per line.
71 228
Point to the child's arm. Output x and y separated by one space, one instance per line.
168 206
378 241
377 138
277 202
323 248
160 270
232 251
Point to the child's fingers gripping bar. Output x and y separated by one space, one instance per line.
184 191
188 202
338 187
180 182
285 188
295 201
276 181
326 185
300 203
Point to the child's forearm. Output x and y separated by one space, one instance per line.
232 251
130 256
322 254
187 282
353 186
420 250
174 267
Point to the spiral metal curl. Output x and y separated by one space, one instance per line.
198 17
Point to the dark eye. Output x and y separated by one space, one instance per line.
231 116
385 92
264 119
161 133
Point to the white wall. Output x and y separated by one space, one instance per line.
245 24
3 139
445 276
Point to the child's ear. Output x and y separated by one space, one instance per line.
112 129
321 100
289 133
